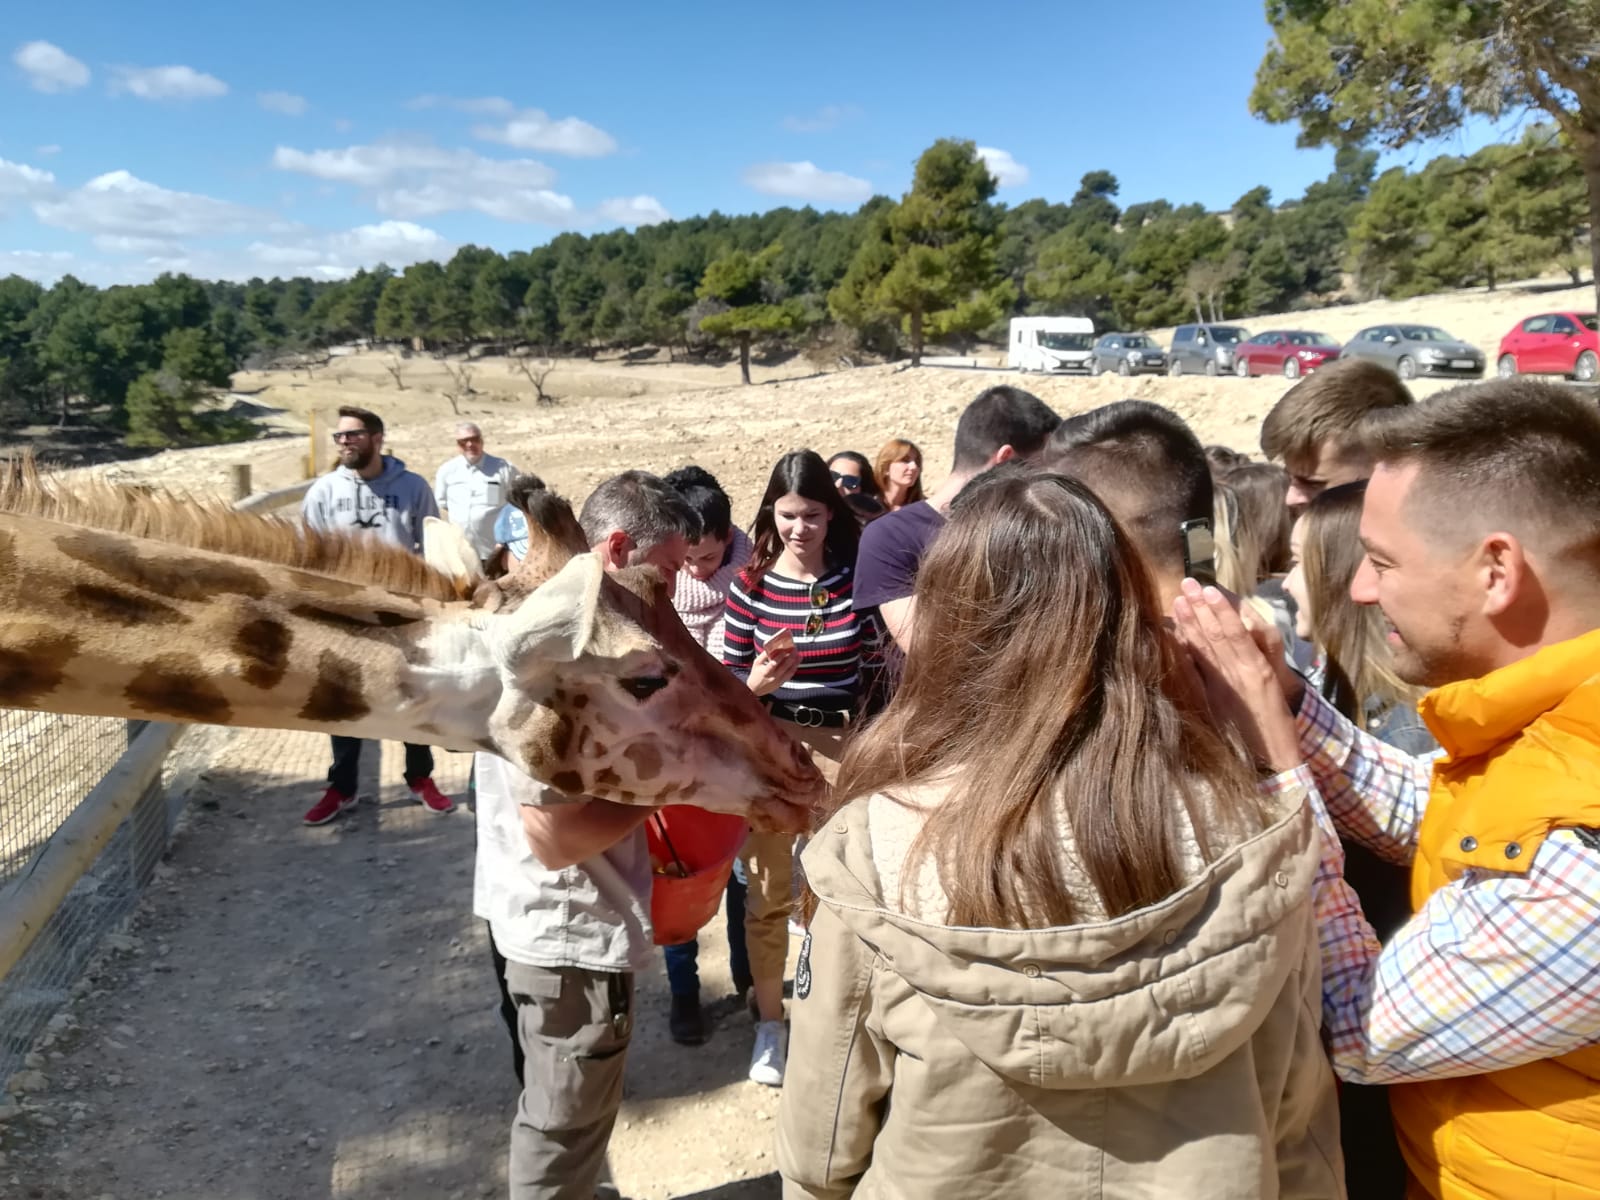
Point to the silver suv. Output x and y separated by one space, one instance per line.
1204 349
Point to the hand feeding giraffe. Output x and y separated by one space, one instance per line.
121 604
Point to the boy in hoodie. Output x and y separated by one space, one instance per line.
370 494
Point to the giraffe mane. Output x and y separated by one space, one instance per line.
205 523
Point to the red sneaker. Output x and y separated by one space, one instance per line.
432 798
333 803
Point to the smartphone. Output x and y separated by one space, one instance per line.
779 643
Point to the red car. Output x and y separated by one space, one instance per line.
1559 343
1291 352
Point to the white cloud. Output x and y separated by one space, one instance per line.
807 181
412 179
343 124
484 106
633 210
45 266
47 151
168 83
336 255
19 181
119 204
1007 170
50 68
287 103
829 116
533 129
116 243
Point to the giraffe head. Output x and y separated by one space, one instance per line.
148 607
606 693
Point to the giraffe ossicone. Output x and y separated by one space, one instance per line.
115 602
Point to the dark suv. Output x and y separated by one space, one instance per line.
1204 349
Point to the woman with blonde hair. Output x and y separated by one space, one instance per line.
899 473
1062 932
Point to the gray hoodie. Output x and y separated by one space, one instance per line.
1173 1051
391 506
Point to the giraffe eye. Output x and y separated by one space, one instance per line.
642 687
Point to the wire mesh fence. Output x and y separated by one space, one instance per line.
50 763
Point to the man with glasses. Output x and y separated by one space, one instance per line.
471 490
373 495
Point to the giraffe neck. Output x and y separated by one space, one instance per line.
102 624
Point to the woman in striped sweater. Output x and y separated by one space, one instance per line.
793 635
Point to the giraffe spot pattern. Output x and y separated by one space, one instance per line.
33 670
608 779
123 608
176 686
561 736
567 781
176 578
263 644
336 696
646 760
363 622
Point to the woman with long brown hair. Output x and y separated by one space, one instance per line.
1062 932
793 634
899 473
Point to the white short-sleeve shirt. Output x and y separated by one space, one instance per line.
471 494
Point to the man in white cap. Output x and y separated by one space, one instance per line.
471 488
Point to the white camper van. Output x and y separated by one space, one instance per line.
1050 343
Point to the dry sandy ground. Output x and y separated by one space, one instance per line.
247 1079
612 416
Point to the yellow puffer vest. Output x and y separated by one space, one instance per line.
1523 758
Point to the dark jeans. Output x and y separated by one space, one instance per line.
508 1006
347 764
683 974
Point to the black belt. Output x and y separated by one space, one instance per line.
810 718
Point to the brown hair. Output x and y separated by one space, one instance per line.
1352 636
1145 464
1521 452
805 474
898 450
1038 722
370 421
1260 489
1329 405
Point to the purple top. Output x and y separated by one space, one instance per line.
891 551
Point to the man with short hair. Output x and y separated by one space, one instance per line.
1482 536
1000 424
371 494
564 882
1314 430
471 489
1146 466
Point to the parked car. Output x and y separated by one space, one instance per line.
1560 343
1413 350
1291 351
1204 349
1127 354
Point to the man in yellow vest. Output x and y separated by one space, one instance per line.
1482 538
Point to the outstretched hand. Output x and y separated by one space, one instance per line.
775 664
1241 683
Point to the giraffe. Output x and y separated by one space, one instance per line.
116 603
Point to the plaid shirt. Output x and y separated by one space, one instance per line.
1496 970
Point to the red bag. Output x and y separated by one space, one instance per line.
699 847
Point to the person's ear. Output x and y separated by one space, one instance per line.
1502 572
615 550
1005 454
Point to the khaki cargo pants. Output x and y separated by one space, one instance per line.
574 1026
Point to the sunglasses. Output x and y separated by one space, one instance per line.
350 435
816 623
850 483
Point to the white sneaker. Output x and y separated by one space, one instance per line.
771 1053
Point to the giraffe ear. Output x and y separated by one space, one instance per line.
556 621
445 548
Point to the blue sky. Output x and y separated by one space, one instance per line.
229 140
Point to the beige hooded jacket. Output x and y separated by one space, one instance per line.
1173 1052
